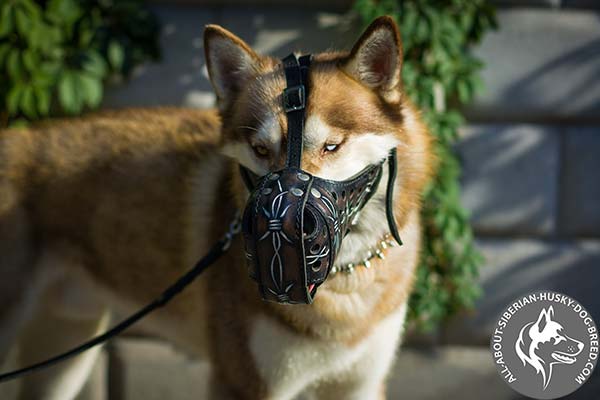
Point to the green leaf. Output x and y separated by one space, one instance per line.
30 60
92 89
23 22
116 55
6 19
14 65
42 96
28 102
94 64
68 92
13 98
64 12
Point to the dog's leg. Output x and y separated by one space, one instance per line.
56 329
17 269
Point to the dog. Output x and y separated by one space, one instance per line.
542 344
99 214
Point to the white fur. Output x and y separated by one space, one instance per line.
359 151
269 134
289 363
316 132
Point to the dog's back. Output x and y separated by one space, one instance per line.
107 195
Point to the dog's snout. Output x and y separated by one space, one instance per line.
580 346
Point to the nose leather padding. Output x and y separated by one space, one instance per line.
273 223
293 227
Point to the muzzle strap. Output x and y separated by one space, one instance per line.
294 104
389 197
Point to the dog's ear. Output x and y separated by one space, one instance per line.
376 59
229 60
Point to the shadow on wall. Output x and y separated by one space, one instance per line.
542 64
581 83
181 79
510 178
523 266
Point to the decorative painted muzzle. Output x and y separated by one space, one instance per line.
294 223
293 227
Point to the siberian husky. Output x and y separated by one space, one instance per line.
99 214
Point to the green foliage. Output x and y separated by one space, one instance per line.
439 75
55 55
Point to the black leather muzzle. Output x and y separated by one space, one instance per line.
294 223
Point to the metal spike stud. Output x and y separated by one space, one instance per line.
350 268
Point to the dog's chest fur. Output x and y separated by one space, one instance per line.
288 362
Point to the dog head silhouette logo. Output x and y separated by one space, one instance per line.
544 343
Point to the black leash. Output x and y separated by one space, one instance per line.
218 249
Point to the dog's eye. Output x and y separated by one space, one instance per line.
330 147
260 150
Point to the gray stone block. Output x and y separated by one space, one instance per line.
510 175
515 267
590 4
279 31
458 372
180 78
527 3
452 372
152 370
339 5
540 64
580 192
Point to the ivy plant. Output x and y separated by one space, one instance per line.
440 74
55 55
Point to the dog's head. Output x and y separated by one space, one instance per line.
544 342
357 111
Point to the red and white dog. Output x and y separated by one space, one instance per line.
99 214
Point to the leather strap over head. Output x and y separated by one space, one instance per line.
294 104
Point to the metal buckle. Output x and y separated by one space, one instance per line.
294 98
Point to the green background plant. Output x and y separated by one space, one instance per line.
440 74
55 55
